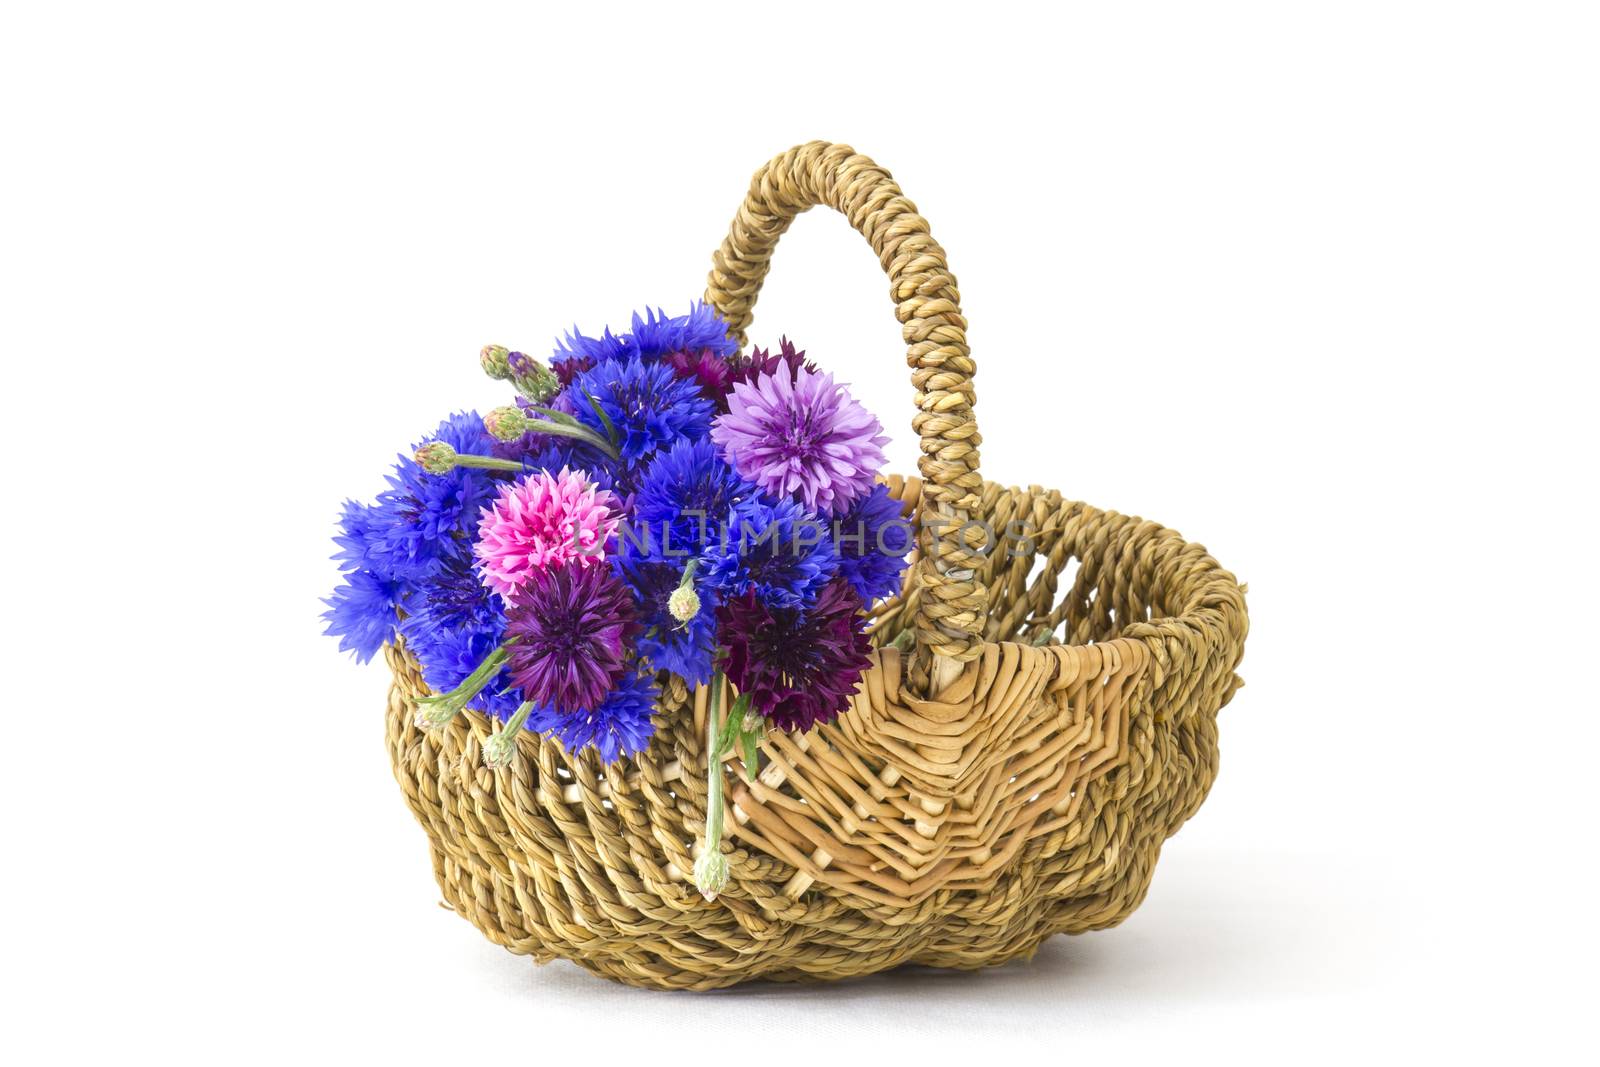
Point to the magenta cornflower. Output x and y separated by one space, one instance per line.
707 369
543 521
568 633
804 437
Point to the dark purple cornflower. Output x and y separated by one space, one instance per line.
742 368
570 368
569 629
799 666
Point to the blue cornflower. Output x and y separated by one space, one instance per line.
872 540
386 549
362 613
684 648
455 622
648 406
576 353
620 726
453 598
427 513
682 501
655 334
775 549
361 530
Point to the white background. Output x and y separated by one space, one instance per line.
1315 285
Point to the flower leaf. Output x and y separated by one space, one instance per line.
733 728
577 431
556 416
605 420
747 741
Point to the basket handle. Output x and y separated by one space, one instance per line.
952 605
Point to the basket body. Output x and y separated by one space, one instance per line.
1028 796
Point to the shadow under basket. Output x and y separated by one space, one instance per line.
1012 776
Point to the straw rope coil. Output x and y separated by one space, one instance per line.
1011 778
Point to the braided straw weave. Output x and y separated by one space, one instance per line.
1010 778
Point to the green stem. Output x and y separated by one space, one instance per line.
556 416
580 433
711 869
438 710
714 766
571 428
492 463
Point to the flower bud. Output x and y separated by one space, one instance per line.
495 362
502 744
434 712
506 424
684 603
533 379
498 750
711 872
436 457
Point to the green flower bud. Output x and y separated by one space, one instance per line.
436 457
498 750
711 872
506 424
533 379
684 603
494 360
502 744
434 712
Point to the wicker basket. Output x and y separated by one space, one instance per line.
1010 778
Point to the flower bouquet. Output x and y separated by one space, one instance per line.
651 504
668 552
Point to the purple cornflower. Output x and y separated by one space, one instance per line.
807 439
569 630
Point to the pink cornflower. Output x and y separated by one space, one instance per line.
543 521
802 437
